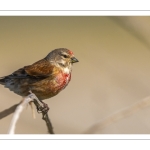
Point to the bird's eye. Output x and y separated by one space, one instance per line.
65 56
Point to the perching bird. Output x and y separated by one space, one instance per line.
45 78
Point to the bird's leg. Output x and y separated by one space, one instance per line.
33 96
45 107
41 109
40 105
37 102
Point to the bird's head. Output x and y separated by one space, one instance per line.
62 58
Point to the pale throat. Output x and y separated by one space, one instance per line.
66 68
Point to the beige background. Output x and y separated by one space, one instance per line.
113 72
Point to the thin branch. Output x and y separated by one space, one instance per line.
46 118
8 111
48 123
18 111
123 113
17 108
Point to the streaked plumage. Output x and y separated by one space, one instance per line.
45 78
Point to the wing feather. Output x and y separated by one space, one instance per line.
42 68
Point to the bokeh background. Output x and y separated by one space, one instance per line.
113 71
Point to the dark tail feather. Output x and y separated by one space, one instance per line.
2 80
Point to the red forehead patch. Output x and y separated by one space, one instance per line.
70 52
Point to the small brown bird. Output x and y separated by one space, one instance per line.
45 78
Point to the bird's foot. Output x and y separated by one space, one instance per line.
43 109
40 105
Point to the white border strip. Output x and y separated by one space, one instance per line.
74 13
77 137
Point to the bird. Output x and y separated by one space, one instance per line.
45 78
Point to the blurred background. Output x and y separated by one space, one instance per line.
113 71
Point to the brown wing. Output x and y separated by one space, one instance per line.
41 68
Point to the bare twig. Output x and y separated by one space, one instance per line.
8 111
18 111
125 112
46 118
48 123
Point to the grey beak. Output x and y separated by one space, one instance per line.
74 60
